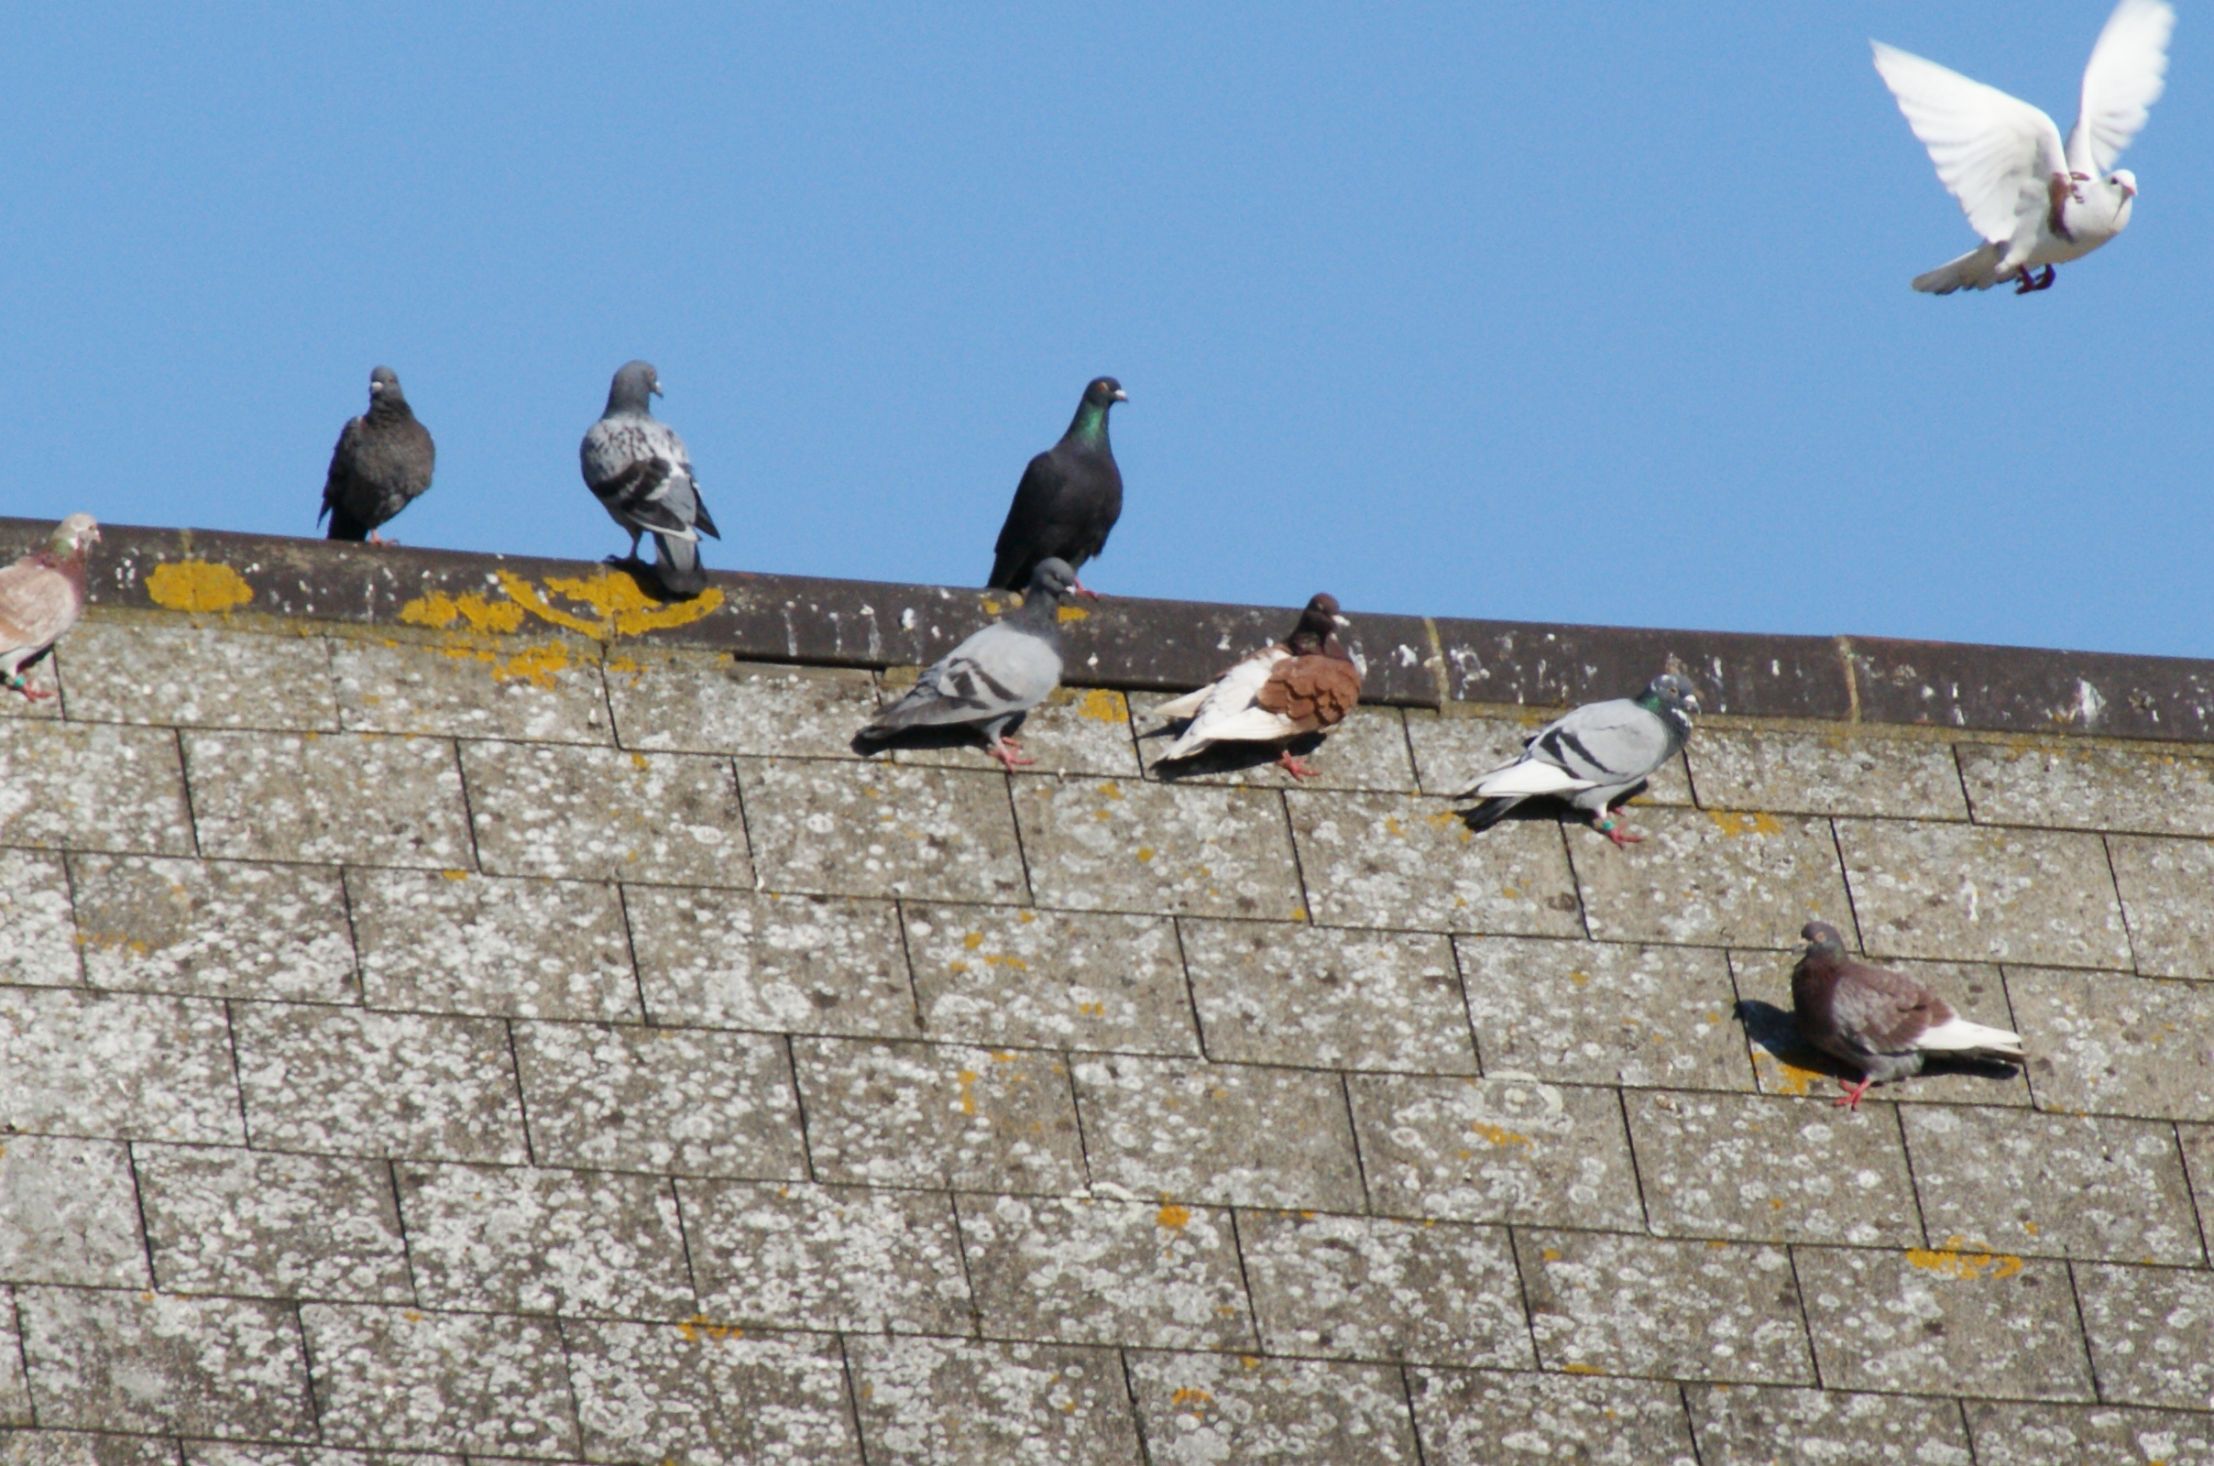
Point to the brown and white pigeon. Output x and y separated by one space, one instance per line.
1883 1023
1306 683
41 597
382 463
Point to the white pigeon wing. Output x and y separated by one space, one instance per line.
2128 70
1523 778
1230 696
1993 152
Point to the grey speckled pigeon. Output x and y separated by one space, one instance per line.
1069 498
994 677
383 461
1303 684
1593 756
1883 1023
41 597
637 467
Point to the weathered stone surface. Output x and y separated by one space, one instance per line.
1088 980
68 1214
156 1362
15 1390
938 1400
402 1378
378 1084
660 1099
1272 994
2121 1045
1121 845
1603 1013
199 676
1784 1063
1985 1323
2164 885
217 1453
41 949
1080 1271
1773 1170
842 1257
2056 1185
455 942
1983 895
1763 1425
939 1115
2151 1333
1076 730
1225 1133
877 829
504 687
1488 1419
225 1220
525 1240
790 964
1691 1310
116 1064
1453 750
93 786
700 1394
1403 861
1366 751
1712 876
1206 1408
2085 787
604 814
2198 1161
1493 1150
349 796
2039 1435
1381 1288
75 1448
693 703
216 927
1836 772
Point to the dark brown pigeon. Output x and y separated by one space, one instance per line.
1883 1023
1069 498
383 461
1303 684
41 597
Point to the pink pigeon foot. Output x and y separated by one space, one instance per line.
1009 753
1080 588
1296 767
1612 829
1850 1100
30 693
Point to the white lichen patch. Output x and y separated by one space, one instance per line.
360 797
1605 1013
792 964
844 1257
710 704
40 949
950 1400
1014 975
939 1115
222 1220
92 786
489 945
1404 861
1131 846
876 829
218 927
1328 998
414 1379
602 813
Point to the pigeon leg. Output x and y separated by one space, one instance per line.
2051 274
1009 753
1298 768
1611 827
30 693
1850 1100
1083 590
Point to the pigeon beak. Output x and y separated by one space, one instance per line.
1340 620
657 389
1121 396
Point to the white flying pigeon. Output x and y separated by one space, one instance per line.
1883 1023
1303 684
994 677
41 597
637 467
1593 756
2034 201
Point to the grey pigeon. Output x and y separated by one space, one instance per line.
383 461
637 467
1069 498
41 597
1883 1023
1593 756
994 677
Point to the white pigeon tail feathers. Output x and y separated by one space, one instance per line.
2127 72
1185 706
1524 778
1227 701
1976 270
1993 152
1959 1036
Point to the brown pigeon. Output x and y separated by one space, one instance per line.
41 597
1306 683
1883 1023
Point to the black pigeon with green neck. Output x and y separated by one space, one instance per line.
1069 498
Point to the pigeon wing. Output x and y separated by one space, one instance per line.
2128 69
631 466
1227 700
1313 691
37 604
1033 522
1878 1011
998 672
1994 153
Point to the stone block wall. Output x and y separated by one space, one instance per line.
438 1037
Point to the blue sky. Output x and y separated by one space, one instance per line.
1571 312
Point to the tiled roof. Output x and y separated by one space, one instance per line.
456 1009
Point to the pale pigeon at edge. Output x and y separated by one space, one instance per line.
41 597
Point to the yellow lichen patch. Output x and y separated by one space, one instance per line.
1145 853
1442 819
1960 1258
1072 613
957 967
1101 705
1580 1368
1580 978
1299 913
973 940
1111 790
991 607
1497 1134
998 959
453 874
624 609
1789 1077
441 612
1173 1217
1191 1398
1026 917
697 1328
1550 1254
1731 823
1092 1009
197 586
968 1078
537 664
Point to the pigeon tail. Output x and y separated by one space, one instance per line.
1959 1036
344 526
1489 813
677 565
1976 270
